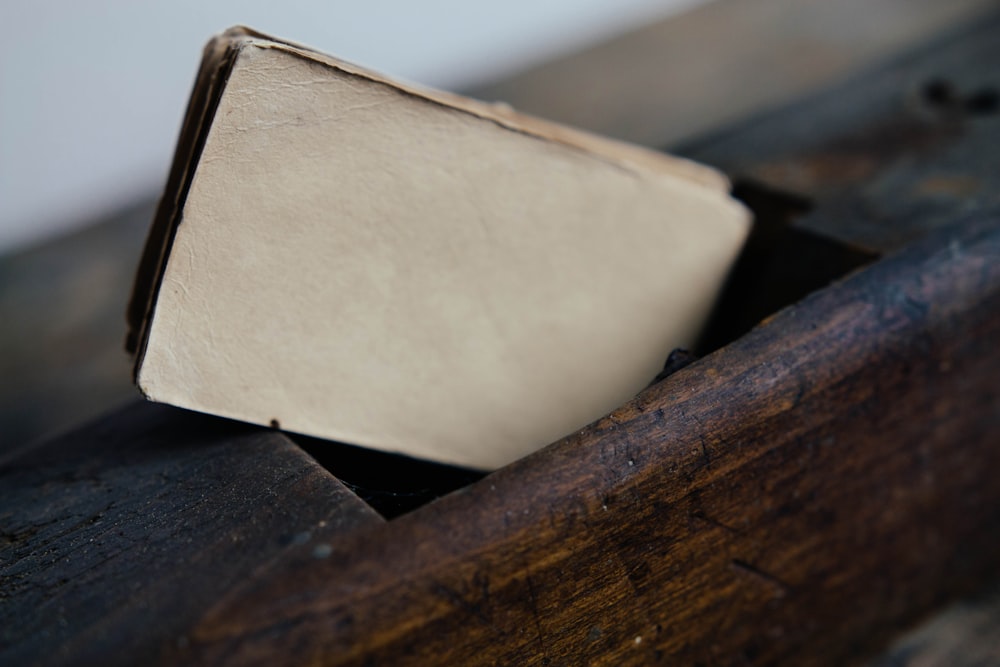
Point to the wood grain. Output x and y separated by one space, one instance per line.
889 155
116 536
790 499
797 497
62 361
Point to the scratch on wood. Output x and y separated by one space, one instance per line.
701 516
474 608
533 604
781 588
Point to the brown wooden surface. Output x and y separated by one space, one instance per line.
889 155
115 536
798 497
793 498
61 361
860 169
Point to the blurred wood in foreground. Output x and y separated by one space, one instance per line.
965 634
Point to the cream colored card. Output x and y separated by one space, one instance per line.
363 261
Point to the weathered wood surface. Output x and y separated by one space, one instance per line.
792 498
115 537
863 168
797 497
61 362
764 505
889 155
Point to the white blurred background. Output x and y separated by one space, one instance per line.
92 91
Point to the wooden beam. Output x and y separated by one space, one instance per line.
888 156
117 536
792 498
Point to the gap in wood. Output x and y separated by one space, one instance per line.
392 484
779 265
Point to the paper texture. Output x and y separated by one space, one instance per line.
365 262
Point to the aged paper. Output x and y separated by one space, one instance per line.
366 262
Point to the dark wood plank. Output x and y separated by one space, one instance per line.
62 362
116 537
793 498
891 154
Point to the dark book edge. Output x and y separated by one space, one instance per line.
213 73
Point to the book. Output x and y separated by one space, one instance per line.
350 257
